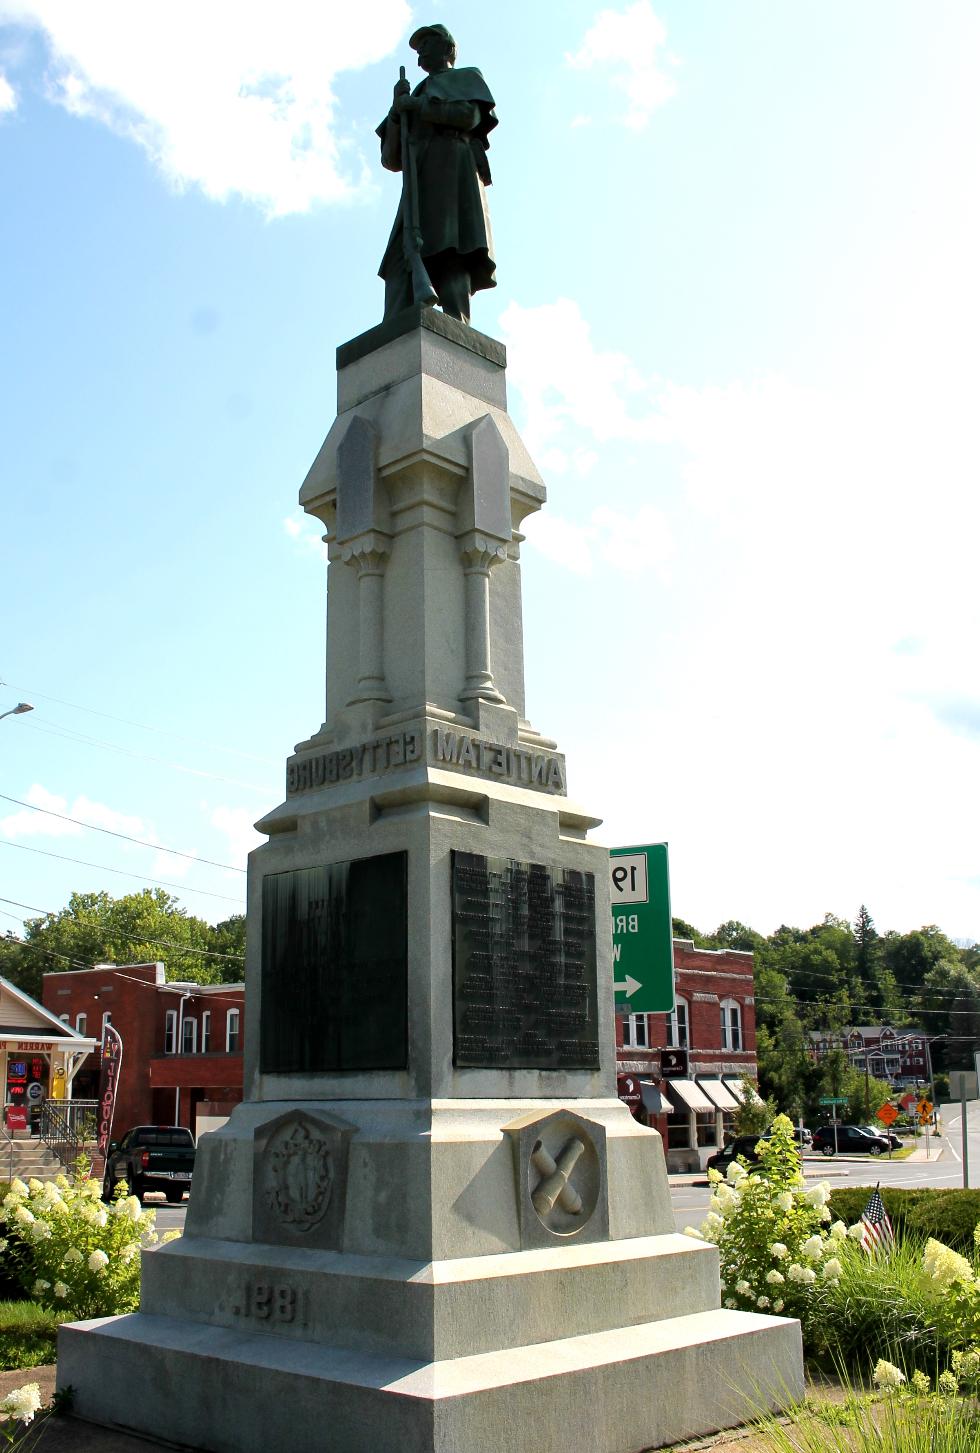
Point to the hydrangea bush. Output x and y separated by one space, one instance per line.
778 1253
72 1253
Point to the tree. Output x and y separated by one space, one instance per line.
137 928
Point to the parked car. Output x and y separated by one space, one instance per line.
151 1158
888 1135
742 1147
851 1140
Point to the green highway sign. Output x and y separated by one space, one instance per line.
830 1100
643 944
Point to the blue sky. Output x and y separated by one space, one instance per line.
737 263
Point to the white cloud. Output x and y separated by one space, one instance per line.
8 98
230 95
631 544
630 43
237 825
39 824
308 534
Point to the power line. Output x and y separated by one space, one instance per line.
140 842
182 948
121 872
67 734
142 725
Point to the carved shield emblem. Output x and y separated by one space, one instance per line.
299 1176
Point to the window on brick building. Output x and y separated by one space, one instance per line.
106 1019
81 1023
232 1031
731 1024
205 1031
188 1037
635 1031
65 1018
677 1025
170 1032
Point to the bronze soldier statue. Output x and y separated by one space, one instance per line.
442 232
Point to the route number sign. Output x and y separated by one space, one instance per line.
643 944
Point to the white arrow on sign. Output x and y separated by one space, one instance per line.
629 988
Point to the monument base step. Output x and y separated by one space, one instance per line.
618 1391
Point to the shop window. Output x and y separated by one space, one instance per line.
707 1127
679 1132
677 1025
170 1032
232 1031
188 1037
635 1031
731 1025
81 1023
205 1031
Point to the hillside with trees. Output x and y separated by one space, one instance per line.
838 974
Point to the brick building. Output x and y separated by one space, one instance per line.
182 1042
900 1056
682 1073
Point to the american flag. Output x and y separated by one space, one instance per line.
876 1228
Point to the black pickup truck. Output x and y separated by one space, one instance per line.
151 1158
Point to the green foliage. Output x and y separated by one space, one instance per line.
880 1307
770 1230
28 1335
947 1215
753 1115
70 1252
902 1421
137 928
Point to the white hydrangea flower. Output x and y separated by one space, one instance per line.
778 1304
944 1265
40 1287
921 1384
736 1172
60 1289
832 1269
779 1250
825 1213
743 1288
98 1261
732 1306
813 1248
762 1302
948 1383
22 1403
796 1272
818 1195
128 1206
714 1177
887 1376
17 1187
128 1252
690 1231
35 1186
856 1231
713 1220
72 1254
838 1232
785 1200
23 1216
775 1278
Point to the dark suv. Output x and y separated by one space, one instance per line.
743 1147
851 1140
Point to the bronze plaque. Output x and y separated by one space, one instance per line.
335 968
524 974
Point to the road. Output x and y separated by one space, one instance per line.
690 1203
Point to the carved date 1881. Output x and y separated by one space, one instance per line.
268 1303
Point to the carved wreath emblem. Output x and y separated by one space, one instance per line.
299 1176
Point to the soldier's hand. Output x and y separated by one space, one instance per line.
402 88
405 103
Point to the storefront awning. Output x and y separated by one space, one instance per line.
654 1102
744 1093
686 1095
718 1094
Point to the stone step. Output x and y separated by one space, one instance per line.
444 1309
620 1391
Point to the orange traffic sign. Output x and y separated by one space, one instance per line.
924 1107
888 1114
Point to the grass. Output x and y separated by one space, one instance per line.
868 1424
880 1307
28 1335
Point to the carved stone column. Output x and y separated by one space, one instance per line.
479 554
369 555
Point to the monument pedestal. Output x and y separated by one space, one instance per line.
431 1225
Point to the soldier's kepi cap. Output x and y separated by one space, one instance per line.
415 41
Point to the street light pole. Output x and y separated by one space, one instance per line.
17 710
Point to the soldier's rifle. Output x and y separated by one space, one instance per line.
422 289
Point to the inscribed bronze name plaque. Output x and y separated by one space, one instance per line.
524 971
335 968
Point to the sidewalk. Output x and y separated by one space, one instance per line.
822 1167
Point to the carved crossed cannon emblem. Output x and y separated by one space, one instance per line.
554 1187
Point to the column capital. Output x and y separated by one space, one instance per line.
480 552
